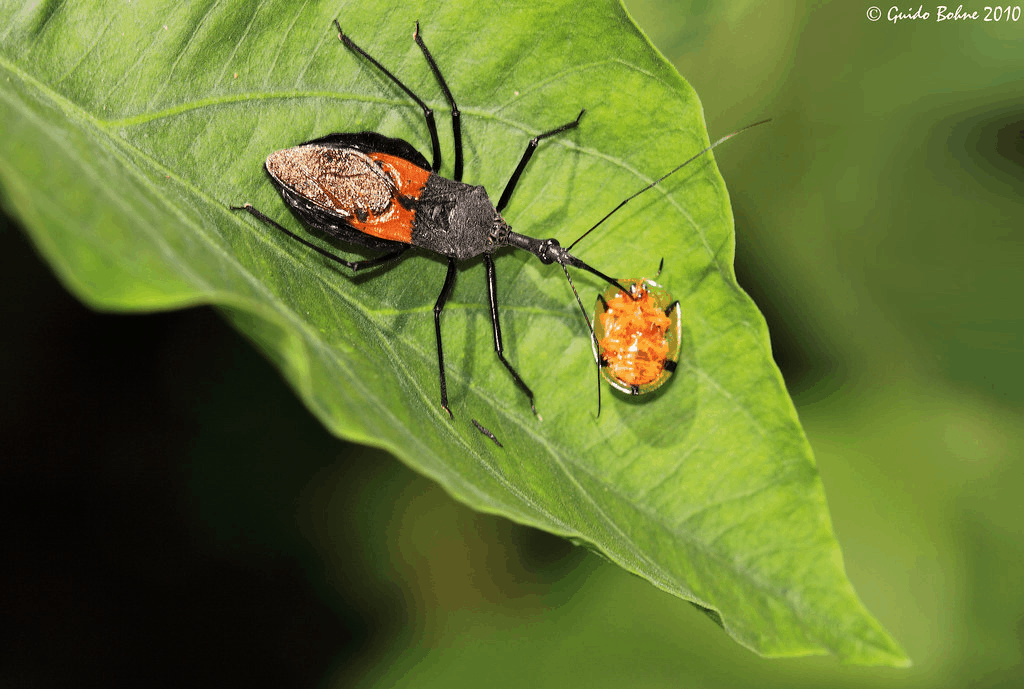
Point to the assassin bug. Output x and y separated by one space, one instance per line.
380 193
637 336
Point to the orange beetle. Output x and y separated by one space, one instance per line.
637 336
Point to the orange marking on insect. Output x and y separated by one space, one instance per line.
638 341
395 223
370 191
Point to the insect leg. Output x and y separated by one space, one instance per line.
446 291
353 265
427 112
530 148
492 293
602 363
456 117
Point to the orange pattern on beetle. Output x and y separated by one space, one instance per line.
638 337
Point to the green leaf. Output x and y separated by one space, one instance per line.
127 134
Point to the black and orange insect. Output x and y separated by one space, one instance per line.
637 336
380 193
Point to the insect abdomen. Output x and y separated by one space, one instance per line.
372 193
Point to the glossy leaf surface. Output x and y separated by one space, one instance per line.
128 133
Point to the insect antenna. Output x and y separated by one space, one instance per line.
593 336
663 177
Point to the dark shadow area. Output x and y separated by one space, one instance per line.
156 486
151 472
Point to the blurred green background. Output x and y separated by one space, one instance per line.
173 515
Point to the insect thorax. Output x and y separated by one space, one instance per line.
456 219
